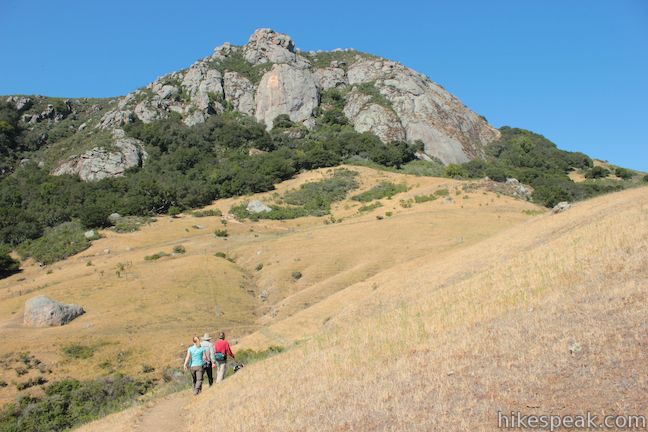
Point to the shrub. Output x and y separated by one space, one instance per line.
282 121
442 192
174 211
277 213
31 382
645 178
384 189
370 89
248 356
220 255
296 275
597 172
406 203
147 368
550 195
207 213
316 197
155 256
69 403
423 168
78 351
236 62
425 198
369 207
259 267
129 224
221 233
94 216
56 244
334 116
179 249
623 173
455 170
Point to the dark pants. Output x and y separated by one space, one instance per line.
208 370
197 377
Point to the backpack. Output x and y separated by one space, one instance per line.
219 356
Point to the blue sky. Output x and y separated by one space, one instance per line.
574 71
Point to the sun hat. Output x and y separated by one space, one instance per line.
206 337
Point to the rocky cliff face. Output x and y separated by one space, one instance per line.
99 163
268 76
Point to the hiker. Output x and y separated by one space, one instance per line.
211 362
221 351
196 357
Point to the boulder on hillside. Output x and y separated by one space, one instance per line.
42 311
518 189
114 218
561 207
256 206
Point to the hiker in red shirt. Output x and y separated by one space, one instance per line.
221 351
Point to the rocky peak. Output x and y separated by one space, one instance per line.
265 45
268 77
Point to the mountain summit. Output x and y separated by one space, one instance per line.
268 77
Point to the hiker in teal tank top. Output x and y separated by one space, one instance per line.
196 357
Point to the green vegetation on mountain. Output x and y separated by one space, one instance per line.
10 148
310 199
21 141
534 160
235 62
56 243
318 196
229 155
384 189
370 89
344 58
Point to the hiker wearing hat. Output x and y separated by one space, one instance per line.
221 351
196 357
211 362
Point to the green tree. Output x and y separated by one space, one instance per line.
597 172
623 173
282 121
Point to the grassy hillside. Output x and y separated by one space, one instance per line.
544 317
142 311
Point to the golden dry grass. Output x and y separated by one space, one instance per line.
444 278
145 312
444 344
